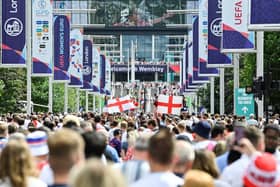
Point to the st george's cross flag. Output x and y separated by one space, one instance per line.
169 104
120 104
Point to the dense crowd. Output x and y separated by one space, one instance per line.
138 150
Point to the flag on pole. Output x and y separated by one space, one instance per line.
120 104
169 104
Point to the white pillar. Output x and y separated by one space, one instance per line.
65 97
77 100
121 48
153 47
235 78
93 103
50 94
212 95
128 63
195 103
260 68
29 54
222 90
100 103
132 62
148 100
86 101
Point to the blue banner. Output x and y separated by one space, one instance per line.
195 76
102 74
76 58
61 34
235 37
13 33
215 57
42 38
87 65
264 15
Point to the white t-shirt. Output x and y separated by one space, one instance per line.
233 174
159 179
31 182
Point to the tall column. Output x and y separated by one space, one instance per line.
65 97
86 101
260 68
235 78
153 47
222 90
121 48
77 100
93 103
132 62
50 94
212 95
29 54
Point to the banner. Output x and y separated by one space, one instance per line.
264 15
42 41
76 58
196 78
108 77
61 52
102 73
215 57
87 65
13 33
146 68
235 36
95 70
202 27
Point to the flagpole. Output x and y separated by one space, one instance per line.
86 101
235 78
93 102
77 100
260 69
51 94
65 97
212 95
100 103
222 90
28 53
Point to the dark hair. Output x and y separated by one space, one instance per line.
152 122
97 119
272 127
161 147
117 132
114 123
217 130
95 144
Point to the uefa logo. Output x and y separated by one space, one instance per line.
216 27
42 4
86 70
13 27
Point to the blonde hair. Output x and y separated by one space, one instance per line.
197 178
95 174
16 163
66 147
205 161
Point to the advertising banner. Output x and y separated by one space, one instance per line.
139 68
102 74
42 41
61 34
76 58
202 28
195 76
95 70
13 33
235 36
264 15
215 57
108 77
87 65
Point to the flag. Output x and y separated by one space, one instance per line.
169 104
13 34
120 104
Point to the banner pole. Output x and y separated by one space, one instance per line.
260 68
212 95
100 103
93 103
51 94
86 101
65 98
29 53
222 91
235 78
77 100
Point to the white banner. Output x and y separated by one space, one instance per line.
95 69
108 77
169 104
76 58
42 37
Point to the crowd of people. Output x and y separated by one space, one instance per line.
138 150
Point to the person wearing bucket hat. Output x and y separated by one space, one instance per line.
201 133
37 142
262 172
